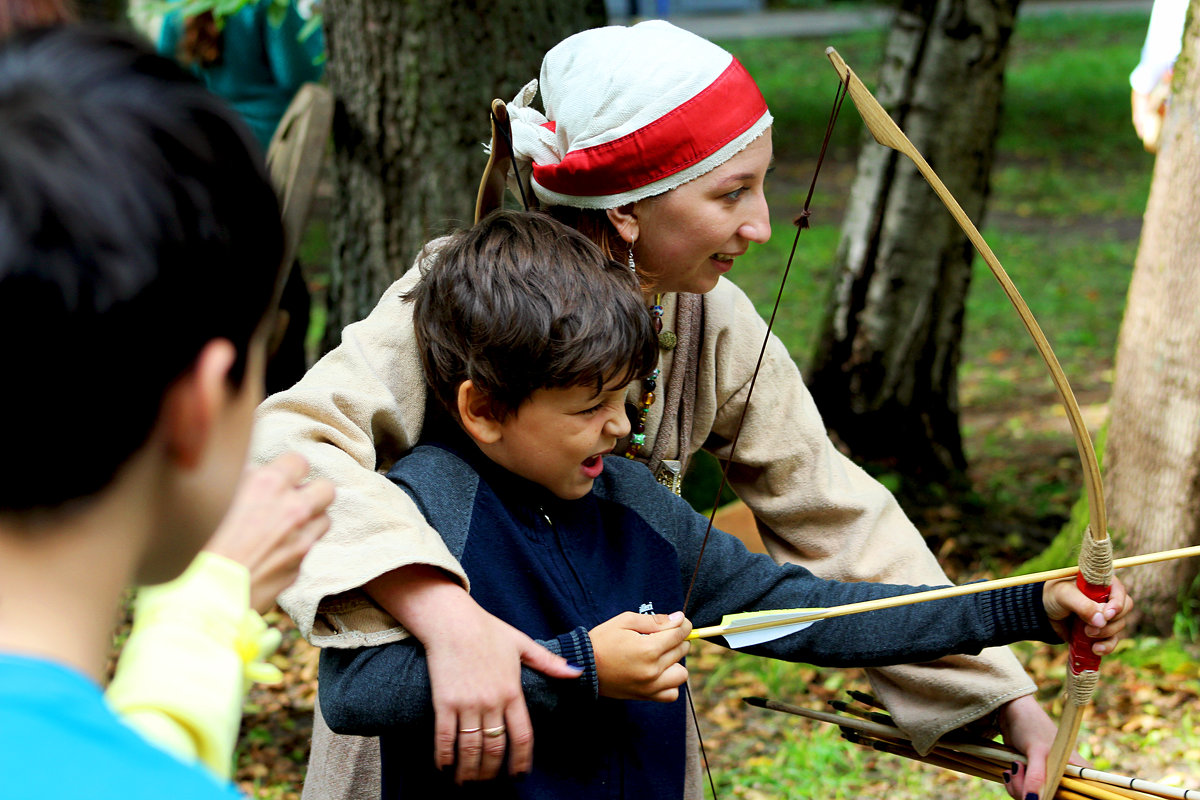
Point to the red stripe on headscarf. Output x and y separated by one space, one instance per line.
720 113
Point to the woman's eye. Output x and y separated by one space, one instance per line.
735 194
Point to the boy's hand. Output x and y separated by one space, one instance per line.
638 655
275 518
1104 621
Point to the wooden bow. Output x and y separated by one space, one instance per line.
1095 562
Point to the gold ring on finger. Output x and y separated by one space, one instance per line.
469 730
492 733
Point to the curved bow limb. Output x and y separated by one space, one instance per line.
1096 551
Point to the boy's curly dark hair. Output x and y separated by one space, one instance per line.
521 302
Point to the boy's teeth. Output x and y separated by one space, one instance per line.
722 257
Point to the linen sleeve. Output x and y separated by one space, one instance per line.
817 508
355 412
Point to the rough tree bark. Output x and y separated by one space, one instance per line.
1152 460
413 81
884 370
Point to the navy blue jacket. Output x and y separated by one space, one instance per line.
555 569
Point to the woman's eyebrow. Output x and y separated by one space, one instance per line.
745 176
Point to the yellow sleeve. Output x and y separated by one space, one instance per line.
194 648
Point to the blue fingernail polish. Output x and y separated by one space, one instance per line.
1031 796
1007 777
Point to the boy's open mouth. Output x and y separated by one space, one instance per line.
593 465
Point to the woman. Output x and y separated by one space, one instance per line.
655 143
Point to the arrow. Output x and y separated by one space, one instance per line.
781 622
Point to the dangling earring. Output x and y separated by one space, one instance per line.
632 266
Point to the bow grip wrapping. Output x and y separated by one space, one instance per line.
1094 580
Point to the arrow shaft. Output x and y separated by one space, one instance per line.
938 594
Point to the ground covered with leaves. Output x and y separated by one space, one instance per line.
1144 722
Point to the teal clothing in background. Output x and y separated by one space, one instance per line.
262 66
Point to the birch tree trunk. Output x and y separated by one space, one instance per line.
413 82
1152 458
884 370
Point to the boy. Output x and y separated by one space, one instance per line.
140 244
529 337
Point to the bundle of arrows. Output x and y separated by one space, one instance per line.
866 724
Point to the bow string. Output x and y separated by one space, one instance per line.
1095 561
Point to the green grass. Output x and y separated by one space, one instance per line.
1068 190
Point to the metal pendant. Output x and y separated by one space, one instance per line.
670 474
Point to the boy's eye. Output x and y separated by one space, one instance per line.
592 410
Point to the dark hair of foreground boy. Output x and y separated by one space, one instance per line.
521 302
131 204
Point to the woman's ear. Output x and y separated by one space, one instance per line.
625 220
476 414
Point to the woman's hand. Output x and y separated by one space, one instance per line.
1024 724
638 655
1028 729
474 669
274 519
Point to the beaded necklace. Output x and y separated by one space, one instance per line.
638 437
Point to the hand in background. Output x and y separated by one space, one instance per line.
1147 111
274 519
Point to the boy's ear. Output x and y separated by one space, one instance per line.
192 404
625 220
476 414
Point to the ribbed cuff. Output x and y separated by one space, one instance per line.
1019 610
576 648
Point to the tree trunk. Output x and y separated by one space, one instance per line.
884 370
1153 456
413 82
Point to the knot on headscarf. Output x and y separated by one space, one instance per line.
535 140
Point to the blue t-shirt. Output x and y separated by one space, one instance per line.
59 739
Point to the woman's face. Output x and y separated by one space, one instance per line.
688 237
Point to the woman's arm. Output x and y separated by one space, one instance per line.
358 409
376 690
474 663
817 508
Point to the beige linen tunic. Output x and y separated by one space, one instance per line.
362 406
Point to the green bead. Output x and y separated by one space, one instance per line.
638 438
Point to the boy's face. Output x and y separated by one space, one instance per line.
558 436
